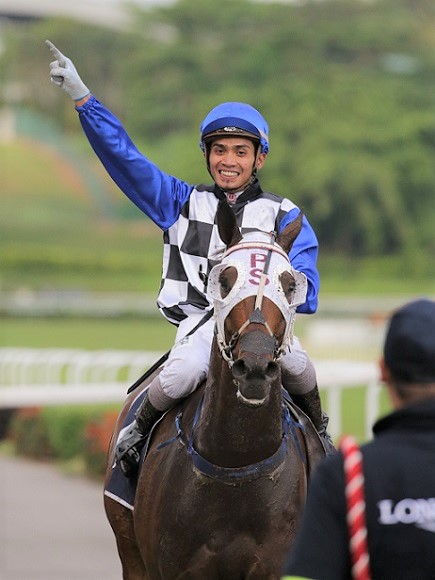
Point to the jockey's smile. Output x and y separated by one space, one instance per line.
232 161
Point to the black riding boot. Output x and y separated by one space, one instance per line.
311 405
127 451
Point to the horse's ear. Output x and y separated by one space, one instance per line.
287 237
227 224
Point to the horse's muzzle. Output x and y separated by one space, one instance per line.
255 369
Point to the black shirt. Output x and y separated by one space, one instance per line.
399 470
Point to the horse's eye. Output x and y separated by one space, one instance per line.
288 285
227 279
224 286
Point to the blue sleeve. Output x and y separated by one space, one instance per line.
159 195
303 257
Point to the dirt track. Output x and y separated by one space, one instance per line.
52 526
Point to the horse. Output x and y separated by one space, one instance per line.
224 474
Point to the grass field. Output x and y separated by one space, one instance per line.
55 233
91 334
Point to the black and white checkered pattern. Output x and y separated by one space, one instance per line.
192 245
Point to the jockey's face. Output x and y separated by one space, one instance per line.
232 161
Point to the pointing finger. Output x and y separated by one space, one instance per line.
57 54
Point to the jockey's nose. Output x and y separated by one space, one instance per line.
229 159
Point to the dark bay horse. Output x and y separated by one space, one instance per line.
225 475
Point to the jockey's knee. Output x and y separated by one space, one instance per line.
181 379
302 383
297 372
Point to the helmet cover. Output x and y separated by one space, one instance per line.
235 119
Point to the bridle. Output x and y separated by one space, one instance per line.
257 317
268 284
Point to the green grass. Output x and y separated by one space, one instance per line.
54 232
92 334
100 263
374 276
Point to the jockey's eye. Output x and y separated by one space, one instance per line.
288 285
227 280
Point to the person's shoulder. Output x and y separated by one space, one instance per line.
332 462
285 203
273 196
328 472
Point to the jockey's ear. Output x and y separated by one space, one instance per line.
260 161
227 224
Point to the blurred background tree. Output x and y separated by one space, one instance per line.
347 87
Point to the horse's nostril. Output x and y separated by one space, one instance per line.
272 370
254 370
239 369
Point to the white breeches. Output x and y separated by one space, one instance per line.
188 362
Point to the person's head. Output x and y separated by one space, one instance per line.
234 139
408 363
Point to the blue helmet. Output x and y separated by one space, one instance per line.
235 119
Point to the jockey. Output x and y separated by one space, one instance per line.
235 143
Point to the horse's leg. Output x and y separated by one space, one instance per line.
121 521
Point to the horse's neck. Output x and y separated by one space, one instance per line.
229 432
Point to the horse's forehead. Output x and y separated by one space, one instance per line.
258 271
261 237
255 253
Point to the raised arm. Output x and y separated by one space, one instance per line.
157 194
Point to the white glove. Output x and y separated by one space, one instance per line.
64 74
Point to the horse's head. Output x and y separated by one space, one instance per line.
255 292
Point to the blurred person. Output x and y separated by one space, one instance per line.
235 143
398 471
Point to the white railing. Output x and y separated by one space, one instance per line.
20 366
334 376
32 377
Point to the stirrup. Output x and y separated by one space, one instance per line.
127 452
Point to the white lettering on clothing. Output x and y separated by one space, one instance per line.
409 511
